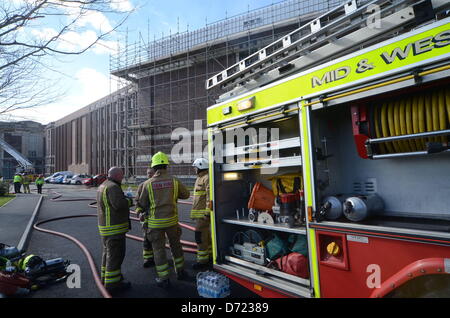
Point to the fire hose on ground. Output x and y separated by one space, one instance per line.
84 249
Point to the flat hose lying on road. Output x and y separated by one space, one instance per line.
83 248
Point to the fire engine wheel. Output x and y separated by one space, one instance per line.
424 112
428 286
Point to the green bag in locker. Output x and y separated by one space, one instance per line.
299 244
276 247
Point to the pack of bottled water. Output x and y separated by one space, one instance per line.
213 285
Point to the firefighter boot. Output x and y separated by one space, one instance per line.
119 287
163 283
183 275
149 263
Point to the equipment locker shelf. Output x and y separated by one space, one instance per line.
264 269
263 163
276 227
268 146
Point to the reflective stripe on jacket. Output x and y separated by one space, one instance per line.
113 209
201 196
159 197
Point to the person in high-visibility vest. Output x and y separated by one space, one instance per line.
26 183
200 213
39 183
113 210
147 252
17 182
159 196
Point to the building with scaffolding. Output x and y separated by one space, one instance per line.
162 87
27 140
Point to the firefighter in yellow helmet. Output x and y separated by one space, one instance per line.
159 196
113 223
200 213
26 182
147 252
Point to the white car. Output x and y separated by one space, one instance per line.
78 178
57 176
67 179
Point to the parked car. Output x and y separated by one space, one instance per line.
58 177
67 179
96 180
49 178
58 180
79 178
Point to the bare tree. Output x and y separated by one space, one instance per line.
33 33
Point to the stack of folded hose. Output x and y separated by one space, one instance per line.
419 113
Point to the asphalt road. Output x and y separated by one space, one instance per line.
85 229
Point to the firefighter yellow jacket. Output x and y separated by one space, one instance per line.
113 209
139 209
159 196
201 196
26 179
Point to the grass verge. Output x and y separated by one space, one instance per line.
6 198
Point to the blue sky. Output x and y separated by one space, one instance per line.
85 78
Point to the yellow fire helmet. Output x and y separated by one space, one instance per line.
159 158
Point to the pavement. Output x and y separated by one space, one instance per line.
14 217
85 229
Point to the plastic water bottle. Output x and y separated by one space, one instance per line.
216 292
213 285
208 286
201 284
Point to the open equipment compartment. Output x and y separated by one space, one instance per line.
240 167
413 187
375 195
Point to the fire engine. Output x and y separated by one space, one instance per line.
349 168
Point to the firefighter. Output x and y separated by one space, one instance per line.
39 183
159 196
113 223
26 183
200 213
147 252
17 182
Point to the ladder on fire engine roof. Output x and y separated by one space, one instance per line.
335 33
24 162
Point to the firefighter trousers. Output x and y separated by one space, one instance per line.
158 239
17 186
147 251
203 239
26 188
114 248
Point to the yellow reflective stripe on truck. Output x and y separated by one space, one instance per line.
366 63
211 194
309 198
